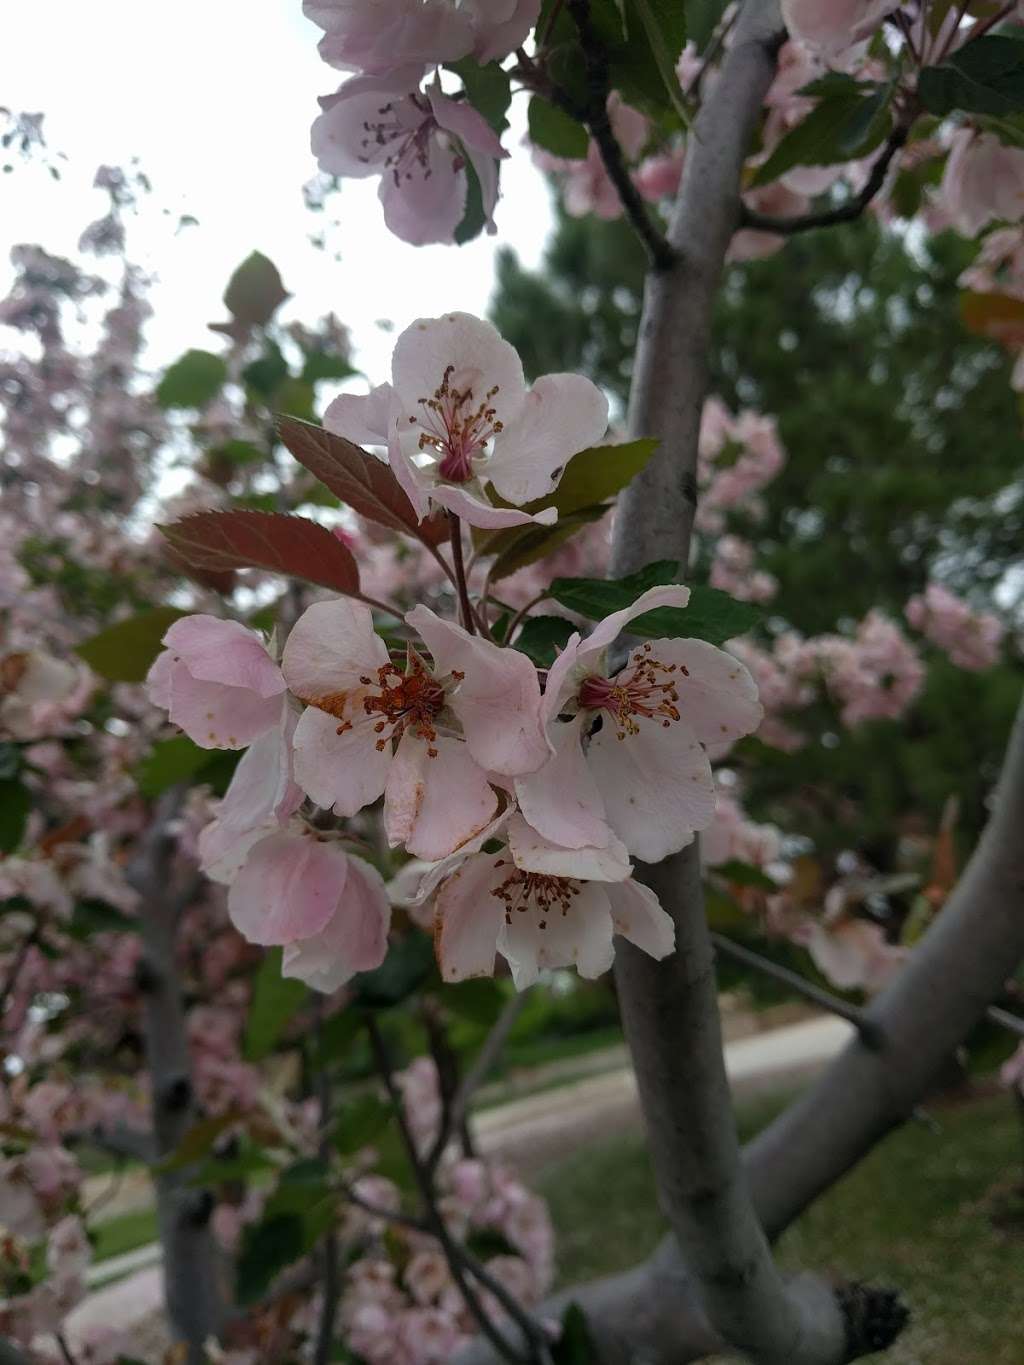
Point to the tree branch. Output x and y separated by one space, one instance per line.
191 1280
843 213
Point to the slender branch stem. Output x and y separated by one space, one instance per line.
65 1349
520 615
27 943
461 587
402 1220
842 213
869 1032
385 607
1013 1023
434 1219
476 1075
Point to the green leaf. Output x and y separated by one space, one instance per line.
985 77
301 1185
124 653
323 365
15 804
553 130
842 126
268 1247
488 89
740 873
336 1035
479 1001
10 760
275 999
192 381
361 1120
266 375
575 1345
596 474
517 546
408 964
711 615
664 23
703 18
198 1141
169 761
255 291
473 219
237 453
542 637
97 917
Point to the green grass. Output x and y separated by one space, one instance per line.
917 1214
124 1233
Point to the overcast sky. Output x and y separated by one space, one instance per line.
215 98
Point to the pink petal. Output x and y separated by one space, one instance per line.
482 514
341 771
480 358
469 917
608 630
435 804
579 937
431 875
657 787
288 888
363 418
354 939
415 483
213 715
225 652
564 676
531 852
498 699
638 916
563 414
332 646
343 139
425 204
717 695
562 800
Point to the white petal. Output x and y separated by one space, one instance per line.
345 771
533 853
717 695
330 647
361 417
562 800
581 936
562 415
468 917
638 916
433 804
480 359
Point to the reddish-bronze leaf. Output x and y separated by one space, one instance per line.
220 580
243 539
994 315
361 481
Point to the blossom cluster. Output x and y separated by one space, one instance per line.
392 118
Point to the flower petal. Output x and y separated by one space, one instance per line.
345 771
657 787
638 916
498 699
354 939
469 917
331 646
480 360
579 937
482 514
288 888
426 203
434 803
562 800
361 417
562 415
608 630
225 652
216 716
531 852
717 695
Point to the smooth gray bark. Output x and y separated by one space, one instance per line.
191 1273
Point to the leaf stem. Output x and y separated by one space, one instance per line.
465 605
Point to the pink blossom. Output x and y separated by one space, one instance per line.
983 181
369 728
732 570
876 675
971 639
776 200
643 774
418 142
29 681
831 26
658 176
852 952
217 682
541 919
458 415
587 185
1011 1073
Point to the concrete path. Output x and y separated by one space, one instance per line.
533 1130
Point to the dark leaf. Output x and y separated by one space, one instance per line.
323 365
361 481
10 761
97 917
125 652
480 1001
255 291
192 381
362 1118
408 964
473 219
275 999
488 89
739 873
542 637
575 1345
266 375
553 130
516 546
985 77
842 126
268 1247
198 1141
169 761
15 804
243 539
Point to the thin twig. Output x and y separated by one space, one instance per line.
465 605
397 612
65 1349
517 620
870 1034
1012 1022
434 1218
402 1220
476 1075
844 213
27 943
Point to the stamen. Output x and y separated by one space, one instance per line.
644 688
406 701
454 430
536 891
